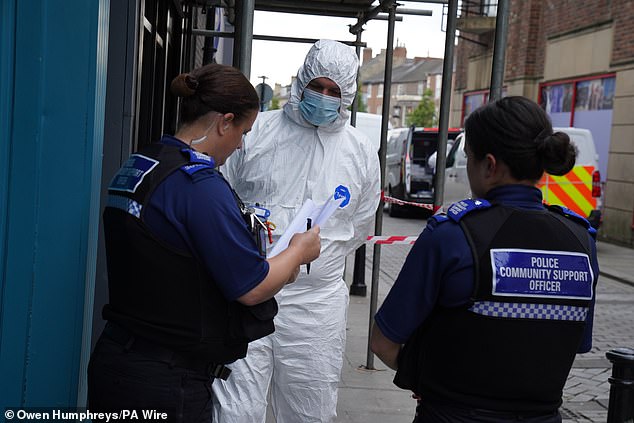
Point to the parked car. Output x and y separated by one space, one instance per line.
409 176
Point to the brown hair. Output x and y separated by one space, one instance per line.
214 87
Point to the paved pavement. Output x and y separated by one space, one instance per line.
369 396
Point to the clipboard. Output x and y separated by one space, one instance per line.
319 214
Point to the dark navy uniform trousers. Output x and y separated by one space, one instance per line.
123 379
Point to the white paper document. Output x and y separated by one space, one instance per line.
319 214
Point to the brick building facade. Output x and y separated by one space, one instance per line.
576 57
411 77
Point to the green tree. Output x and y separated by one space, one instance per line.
361 107
425 113
275 103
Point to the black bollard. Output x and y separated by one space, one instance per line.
621 405
358 286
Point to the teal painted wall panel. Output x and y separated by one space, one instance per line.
51 221
7 14
21 211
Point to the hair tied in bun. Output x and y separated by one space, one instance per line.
540 139
184 85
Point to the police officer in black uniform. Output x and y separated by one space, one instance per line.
189 282
496 296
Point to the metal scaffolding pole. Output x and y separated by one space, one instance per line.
208 49
378 224
242 44
386 5
358 286
445 101
499 50
221 34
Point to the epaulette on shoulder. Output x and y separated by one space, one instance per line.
197 162
435 220
458 210
566 212
192 168
439 218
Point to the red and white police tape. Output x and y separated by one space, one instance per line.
388 199
390 240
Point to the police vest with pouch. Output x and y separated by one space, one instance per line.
512 346
159 293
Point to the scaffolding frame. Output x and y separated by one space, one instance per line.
364 11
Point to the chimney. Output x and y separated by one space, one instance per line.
400 51
367 55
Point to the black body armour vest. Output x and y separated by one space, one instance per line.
512 347
161 294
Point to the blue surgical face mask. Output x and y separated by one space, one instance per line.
319 109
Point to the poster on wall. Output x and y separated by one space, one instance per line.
596 94
556 100
593 111
472 102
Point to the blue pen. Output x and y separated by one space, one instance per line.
309 223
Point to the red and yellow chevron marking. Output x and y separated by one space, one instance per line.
572 190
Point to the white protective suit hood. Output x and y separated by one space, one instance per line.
326 59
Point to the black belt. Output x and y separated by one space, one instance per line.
156 352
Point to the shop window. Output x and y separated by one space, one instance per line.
583 103
556 100
473 101
596 94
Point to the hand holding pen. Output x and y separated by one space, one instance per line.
309 224
307 244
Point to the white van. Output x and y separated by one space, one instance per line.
456 186
370 125
408 175
579 190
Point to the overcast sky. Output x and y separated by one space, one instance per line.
278 61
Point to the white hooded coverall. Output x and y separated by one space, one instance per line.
284 161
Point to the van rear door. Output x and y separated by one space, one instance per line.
422 145
456 187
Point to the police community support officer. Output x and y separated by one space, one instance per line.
496 297
189 283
